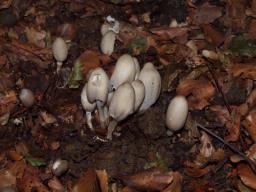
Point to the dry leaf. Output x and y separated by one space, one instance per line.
103 179
207 149
35 37
244 71
87 183
176 185
13 155
212 35
247 176
55 185
7 179
200 92
149 180
47 118
67 31
89 60
206 13
250 124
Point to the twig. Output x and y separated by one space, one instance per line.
218 86
251 163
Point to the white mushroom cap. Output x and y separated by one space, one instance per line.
27 97
60 49
122 103
124 71
107 43
139 89
177 113
97 86
88 106
137 67
152 82
105 27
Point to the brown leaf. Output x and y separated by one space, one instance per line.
207 149
128 189
200 92
149 180
212 35
235 11
247 176
67 31
55 185
179 34
250 124
252 29
103 179
206 13
7 179
244 71
194 170
87 183
7 101
35 37
176 185
13 155
21 149
89 60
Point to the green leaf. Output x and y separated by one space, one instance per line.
76 75
137 45
243 46
35 162
159 162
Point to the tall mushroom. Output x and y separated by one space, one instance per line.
60 52
88 107
139 89
152 82
97 91
124 71
121 105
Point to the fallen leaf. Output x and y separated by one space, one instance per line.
212 35
244 71
67 31
242 46
247 176
35 37
89 60
103 180
7 179
149 180
200 92
87 183
207 149
55 185
206 13
176 185
47 118
250 124
191 169
13 155
252 29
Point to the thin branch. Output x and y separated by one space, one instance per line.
234 149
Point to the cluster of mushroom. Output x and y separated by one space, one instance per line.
128 90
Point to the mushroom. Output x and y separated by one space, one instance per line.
139 89
59 167
27 97
97 91
60 51
122 105
152 82
177 113
105 27
108 42
124 71
137 67
88 107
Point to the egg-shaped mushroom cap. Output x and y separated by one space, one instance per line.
139 89
124 71
60 49
122 102
97 86
152 82
88 106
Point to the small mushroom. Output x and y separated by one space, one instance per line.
177 113
27 97
137 67
122 105
97 91
88 107
59 167
105 27
107 43
139 89
152 82
124 71
60 52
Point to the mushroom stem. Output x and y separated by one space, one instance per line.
59 65
111 127
89 120
106 114
100 107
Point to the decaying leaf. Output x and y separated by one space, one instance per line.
76 75
103 180
243 46
247 176
207 149
36 37
89 60
149 180
244 71
55 185
176 185
206 13
200 92
87 183
250 124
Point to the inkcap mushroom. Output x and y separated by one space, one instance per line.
107 43
124 71
121 106
151 79
97 91
88 107
139 90
27 97
60 52
177 112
